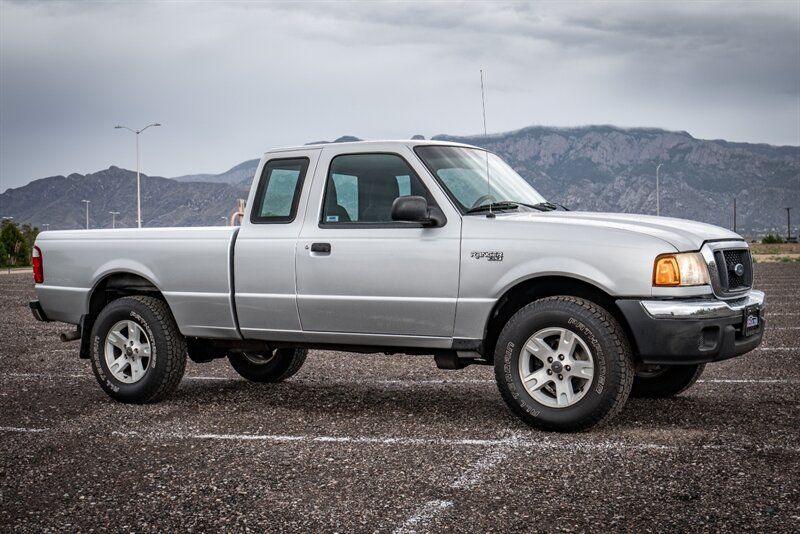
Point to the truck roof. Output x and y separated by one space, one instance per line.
401 142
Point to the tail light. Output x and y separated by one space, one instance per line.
38 268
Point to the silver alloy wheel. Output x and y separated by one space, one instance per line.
127 351
556 367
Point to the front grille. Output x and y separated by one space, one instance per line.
735 270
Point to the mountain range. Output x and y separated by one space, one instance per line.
594 168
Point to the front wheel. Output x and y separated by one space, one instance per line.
270 366
663 381
563 363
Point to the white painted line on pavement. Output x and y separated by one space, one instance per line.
423 516
544 443
22 430
513 442
780 314
473 476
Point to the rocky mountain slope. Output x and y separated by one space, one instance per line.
603 168
57 200
596 168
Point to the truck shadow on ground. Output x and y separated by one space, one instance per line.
469 405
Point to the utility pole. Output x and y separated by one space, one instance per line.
87 212
788 224
734 215
658 194
138 180
113 218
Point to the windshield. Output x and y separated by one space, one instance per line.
462 172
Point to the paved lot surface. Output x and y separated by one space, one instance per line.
374 443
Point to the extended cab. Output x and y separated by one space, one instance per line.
414 247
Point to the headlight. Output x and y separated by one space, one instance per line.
686 269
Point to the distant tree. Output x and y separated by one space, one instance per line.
29 233
2 254
17 252
772 240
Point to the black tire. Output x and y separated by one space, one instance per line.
268 367
613 368
666 381
168 349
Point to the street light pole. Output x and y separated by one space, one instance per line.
658 195
225 219
788 224
87 212
138 180
113 218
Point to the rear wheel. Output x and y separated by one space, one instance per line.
138 354
661 381
274 366
563 363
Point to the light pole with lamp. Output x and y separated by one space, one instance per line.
138 181
87 212
113 218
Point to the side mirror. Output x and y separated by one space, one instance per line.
415 209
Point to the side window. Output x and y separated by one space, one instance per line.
362 187
279 191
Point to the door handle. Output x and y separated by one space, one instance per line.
322 248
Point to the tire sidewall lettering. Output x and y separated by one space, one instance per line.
153 347
601 366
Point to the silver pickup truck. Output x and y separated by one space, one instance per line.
414 247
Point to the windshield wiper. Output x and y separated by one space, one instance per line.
545 206
502 205
511 205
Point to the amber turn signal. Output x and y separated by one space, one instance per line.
666 271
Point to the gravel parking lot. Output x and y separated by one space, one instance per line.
376 443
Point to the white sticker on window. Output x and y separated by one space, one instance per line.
332 218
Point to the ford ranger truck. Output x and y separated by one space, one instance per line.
414 247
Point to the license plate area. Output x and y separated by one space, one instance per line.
751 320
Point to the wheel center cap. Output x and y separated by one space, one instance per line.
128 351
556 367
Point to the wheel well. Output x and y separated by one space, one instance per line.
119 285
110 288
546 286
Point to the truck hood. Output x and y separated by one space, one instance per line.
683 234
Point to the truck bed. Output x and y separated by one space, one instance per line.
191 266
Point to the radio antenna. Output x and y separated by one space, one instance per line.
488 177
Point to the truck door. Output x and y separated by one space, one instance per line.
264 253
360 272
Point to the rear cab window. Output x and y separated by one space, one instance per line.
278 192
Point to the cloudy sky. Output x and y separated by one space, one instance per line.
230 80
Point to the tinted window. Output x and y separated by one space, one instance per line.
279 190
362 187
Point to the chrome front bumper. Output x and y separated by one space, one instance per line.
703 308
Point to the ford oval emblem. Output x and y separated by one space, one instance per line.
738 269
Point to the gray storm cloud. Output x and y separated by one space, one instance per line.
230 80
